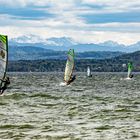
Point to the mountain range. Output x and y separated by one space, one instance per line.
65 43
37 53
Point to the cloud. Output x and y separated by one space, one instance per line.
82 36
116 5
85 21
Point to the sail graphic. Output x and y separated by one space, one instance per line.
3 56
69 66
130 67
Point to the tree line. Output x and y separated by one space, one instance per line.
50 65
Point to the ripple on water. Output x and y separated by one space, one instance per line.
102 107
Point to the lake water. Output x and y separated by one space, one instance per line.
103 107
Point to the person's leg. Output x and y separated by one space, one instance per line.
2 90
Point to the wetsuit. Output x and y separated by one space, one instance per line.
72 79
5 84
131 76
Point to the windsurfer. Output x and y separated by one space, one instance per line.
130 67
5 84
71 80
89 72
131 76
68 75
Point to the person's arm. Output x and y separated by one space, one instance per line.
2 80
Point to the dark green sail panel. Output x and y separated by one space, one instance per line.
3 56
130 67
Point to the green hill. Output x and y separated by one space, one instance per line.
105 65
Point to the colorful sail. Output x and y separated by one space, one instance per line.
3 56
130 67
69 66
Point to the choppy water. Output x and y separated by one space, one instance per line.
99 108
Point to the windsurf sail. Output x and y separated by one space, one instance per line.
123 65
88 71
69 66
3 57
130 67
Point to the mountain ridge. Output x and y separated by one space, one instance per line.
105 65
65 43
36 53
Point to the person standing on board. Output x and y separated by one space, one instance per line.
5 84
130 67
71 80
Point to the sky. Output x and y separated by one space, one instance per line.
85 21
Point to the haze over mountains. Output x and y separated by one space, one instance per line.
33 48
65 43
37 53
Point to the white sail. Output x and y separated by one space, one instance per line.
88 72
129 73
3 57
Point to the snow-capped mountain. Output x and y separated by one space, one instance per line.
110 43
33 39
27 39
65 43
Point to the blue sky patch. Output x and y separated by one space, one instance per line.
83 20
112 17
25 13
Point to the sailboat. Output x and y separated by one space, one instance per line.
3 57
89 72
130 67
68 75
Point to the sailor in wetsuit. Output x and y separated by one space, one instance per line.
131 76
130 67
71 80
5 84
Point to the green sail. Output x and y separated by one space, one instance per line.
3 56
69 66
130 67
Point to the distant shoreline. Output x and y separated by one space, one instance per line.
94 73
56 65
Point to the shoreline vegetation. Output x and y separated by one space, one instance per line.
58 65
